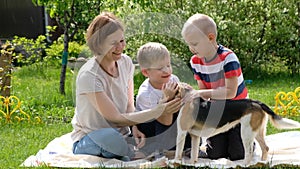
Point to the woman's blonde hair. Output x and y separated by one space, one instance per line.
102 26
151 53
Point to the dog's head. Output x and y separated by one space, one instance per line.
185 90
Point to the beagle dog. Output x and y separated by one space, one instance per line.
203 118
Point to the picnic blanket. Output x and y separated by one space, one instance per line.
284 150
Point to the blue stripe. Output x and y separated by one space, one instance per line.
234 65
222 49
241 88
213 77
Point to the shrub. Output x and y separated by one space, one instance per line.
29 51
55 50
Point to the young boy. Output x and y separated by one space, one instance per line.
219 76
155 64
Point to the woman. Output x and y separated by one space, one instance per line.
104 95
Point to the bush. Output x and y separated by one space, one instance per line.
28 51
264 37
55 51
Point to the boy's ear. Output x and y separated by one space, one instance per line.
211 36
144 72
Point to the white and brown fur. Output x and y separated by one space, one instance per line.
202 118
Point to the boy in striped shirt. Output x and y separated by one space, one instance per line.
219 76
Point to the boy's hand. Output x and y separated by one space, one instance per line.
140 138
195 94
170 89
204 94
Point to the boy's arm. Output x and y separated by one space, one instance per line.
201 85
229 92
165 119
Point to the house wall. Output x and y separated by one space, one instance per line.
21 18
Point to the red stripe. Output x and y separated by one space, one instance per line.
200 60
243 95
196 60
221 57
196 77
233 73
214 85
224 54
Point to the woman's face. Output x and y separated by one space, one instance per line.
115 44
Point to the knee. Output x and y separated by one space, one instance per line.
111 141
236 155
236 152
215 154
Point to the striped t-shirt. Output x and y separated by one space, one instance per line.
214 72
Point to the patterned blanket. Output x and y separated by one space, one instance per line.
284 150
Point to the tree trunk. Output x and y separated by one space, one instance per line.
64 63
5 74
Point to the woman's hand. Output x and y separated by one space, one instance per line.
172 106
139 137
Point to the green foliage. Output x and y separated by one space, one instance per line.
55 50
29 50
263 33
263 37
73 15
138 80
85 52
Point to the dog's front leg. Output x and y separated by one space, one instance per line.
195 148
180 140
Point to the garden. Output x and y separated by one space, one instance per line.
37 102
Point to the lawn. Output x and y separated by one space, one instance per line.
37 87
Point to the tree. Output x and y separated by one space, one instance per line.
73 16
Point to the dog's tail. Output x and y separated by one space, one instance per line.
278 121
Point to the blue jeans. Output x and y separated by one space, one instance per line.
106 142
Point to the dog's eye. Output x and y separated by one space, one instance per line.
177 93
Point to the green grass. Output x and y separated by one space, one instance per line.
19 141
37 87
265 90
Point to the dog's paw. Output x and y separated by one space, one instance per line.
192 161
177 162
246 162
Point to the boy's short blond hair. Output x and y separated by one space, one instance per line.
151 53
201 23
